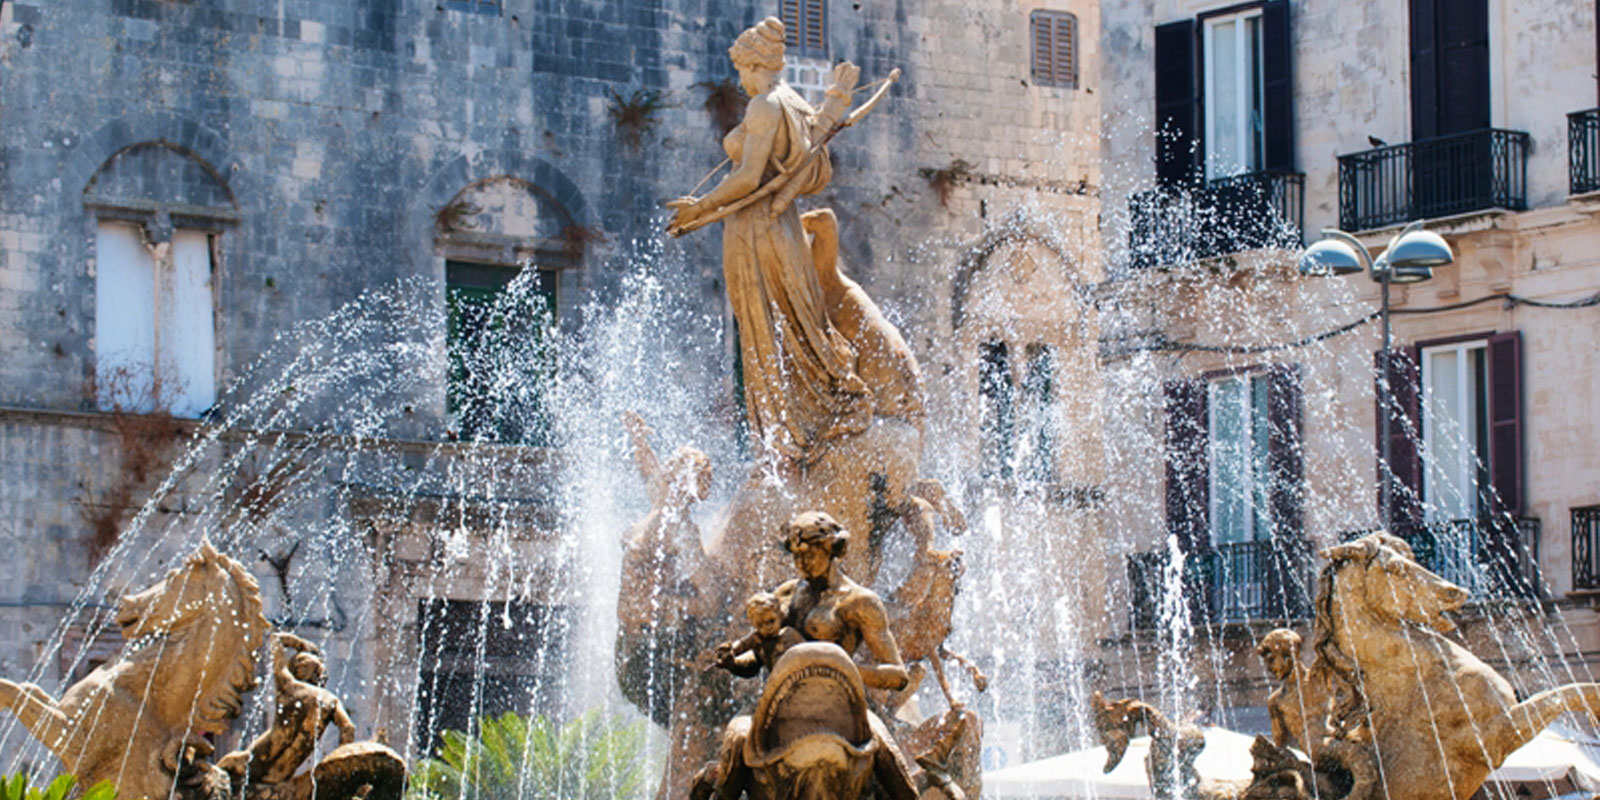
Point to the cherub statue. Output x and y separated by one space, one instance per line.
759 649
303 711
1299 705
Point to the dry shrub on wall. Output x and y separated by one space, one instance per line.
637 114
146 436
944 179
457 216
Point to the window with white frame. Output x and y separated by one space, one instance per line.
1239 438
1234 131
155 321
1455 426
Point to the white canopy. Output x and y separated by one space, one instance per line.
1080 773
1556 754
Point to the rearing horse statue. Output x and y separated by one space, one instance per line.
1440 719
192 641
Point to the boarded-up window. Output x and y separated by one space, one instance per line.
1055 49
805 27
155 328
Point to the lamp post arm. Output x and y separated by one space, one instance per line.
1355 244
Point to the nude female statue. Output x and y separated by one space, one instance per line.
801 388
824 605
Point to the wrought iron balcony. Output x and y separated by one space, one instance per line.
1242 582
1438 177
1583 151
1492 557
1586 547
1180 224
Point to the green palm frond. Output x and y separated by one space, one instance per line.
512 757
16 788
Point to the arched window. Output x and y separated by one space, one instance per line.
1055 49
159 210
490 234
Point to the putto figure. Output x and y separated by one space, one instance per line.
758 650
304 709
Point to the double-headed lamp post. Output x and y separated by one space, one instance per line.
1409 258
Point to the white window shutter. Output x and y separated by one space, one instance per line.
188 327
124 318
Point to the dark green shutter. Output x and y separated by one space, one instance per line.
1177 103
1277 100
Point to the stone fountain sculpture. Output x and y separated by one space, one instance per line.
142 720
1390 706
812 734
834 404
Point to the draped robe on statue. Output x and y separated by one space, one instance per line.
800 384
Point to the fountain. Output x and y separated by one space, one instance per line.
317 469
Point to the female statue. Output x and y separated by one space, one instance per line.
824 605
801 388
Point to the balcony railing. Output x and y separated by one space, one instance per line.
1583 151
1240 582
1586 547
1254 211
1438 177
1492 557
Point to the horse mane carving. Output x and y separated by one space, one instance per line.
140 719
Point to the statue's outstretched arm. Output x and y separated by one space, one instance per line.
761 120
39 714
347 729
644 456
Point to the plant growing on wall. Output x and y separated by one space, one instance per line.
944 179
457 216
146 443
637 114
725 102
593 757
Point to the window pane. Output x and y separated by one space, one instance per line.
1230 462
1224 104
1260 466
124 317
499 349
997 426
1255 126
1443 451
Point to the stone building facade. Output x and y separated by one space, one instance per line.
1260 124
183 183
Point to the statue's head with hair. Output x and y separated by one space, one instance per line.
307 668
760 46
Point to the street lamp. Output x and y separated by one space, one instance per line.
1409 258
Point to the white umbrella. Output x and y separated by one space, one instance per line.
1080 774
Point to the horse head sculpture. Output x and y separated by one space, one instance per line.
1434 718
1380 572
140 719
